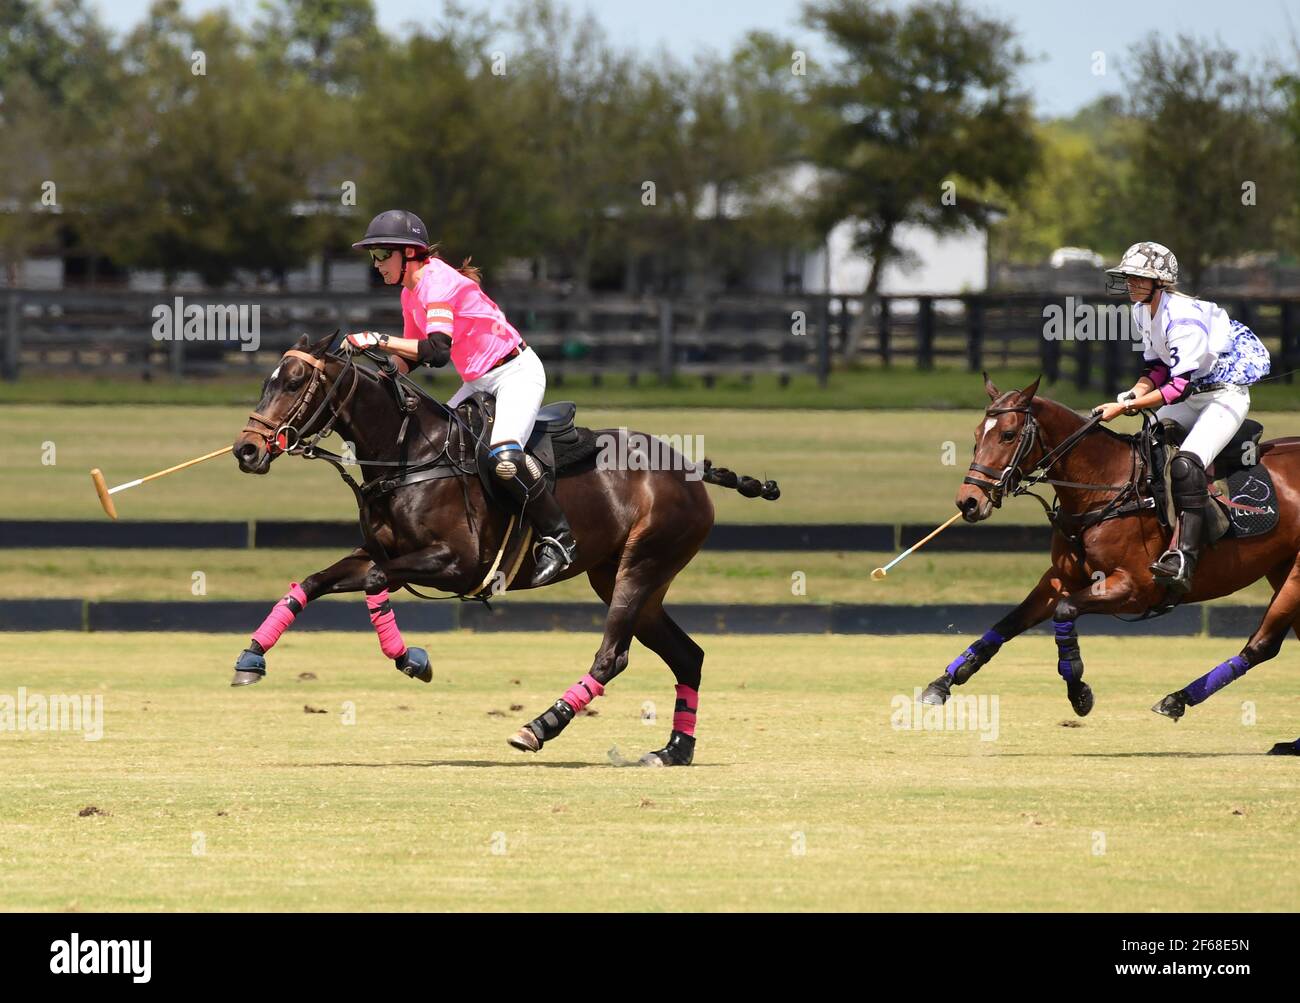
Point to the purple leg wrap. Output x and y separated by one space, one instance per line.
1069 660
1217 678
976 655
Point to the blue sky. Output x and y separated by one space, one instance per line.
1062 35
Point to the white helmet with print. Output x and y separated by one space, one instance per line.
1144 260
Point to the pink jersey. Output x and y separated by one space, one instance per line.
446 302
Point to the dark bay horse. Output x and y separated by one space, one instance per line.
636 529
1104 568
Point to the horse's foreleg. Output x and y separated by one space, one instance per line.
421 565
250 667
1264 644
1036 607
1107 595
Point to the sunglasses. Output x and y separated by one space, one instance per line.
381 253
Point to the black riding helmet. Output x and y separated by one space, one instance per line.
396 228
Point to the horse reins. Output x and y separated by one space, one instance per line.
1012 481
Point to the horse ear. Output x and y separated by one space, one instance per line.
1027 394
319 348
301 343
993 392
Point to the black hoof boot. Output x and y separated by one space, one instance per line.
680 751
1286 749
938 692
250 667
540 730
415 663
1173 706
1080 694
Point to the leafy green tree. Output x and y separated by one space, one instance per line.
216 152
1207 137
921 97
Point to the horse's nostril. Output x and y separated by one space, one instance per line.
248 451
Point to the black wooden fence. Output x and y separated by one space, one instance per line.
1080 338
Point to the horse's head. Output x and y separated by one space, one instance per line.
1004 443
291 408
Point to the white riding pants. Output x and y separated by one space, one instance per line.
1211 418
518 387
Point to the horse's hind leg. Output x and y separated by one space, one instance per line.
1263 645
641 578
346 575
661 634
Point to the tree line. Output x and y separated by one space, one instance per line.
202 143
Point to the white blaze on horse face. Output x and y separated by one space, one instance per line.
988 425
275 372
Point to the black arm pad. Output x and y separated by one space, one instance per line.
435 350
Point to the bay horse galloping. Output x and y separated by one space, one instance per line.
1106 533
427 520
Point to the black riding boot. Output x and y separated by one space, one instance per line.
1175 568
522 476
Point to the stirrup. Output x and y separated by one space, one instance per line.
566 552
1157 567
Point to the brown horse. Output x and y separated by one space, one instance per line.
1105 537
636 528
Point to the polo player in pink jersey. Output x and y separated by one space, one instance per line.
446 315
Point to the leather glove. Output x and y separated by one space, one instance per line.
363 340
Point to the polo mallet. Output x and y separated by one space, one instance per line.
880 573
104 491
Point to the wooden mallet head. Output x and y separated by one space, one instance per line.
101 489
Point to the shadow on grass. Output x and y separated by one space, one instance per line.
493 763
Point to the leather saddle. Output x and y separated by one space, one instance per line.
1238 464
556 442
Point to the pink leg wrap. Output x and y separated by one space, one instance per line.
281 616
688 702
582 692
385 621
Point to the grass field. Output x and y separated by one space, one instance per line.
833 466
804 795
862 386
752 577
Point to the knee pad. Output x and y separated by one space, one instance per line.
507 460
1188 474
510 462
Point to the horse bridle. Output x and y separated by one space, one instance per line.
273 431
1009 477
1014 481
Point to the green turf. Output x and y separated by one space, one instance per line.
833 466
931 578
804 797
864 386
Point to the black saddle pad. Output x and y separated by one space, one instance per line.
1253 487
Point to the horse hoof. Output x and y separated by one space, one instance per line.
1173 706
415 663
680 751
250 667
1286 749
525 740
938 692
1081 699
